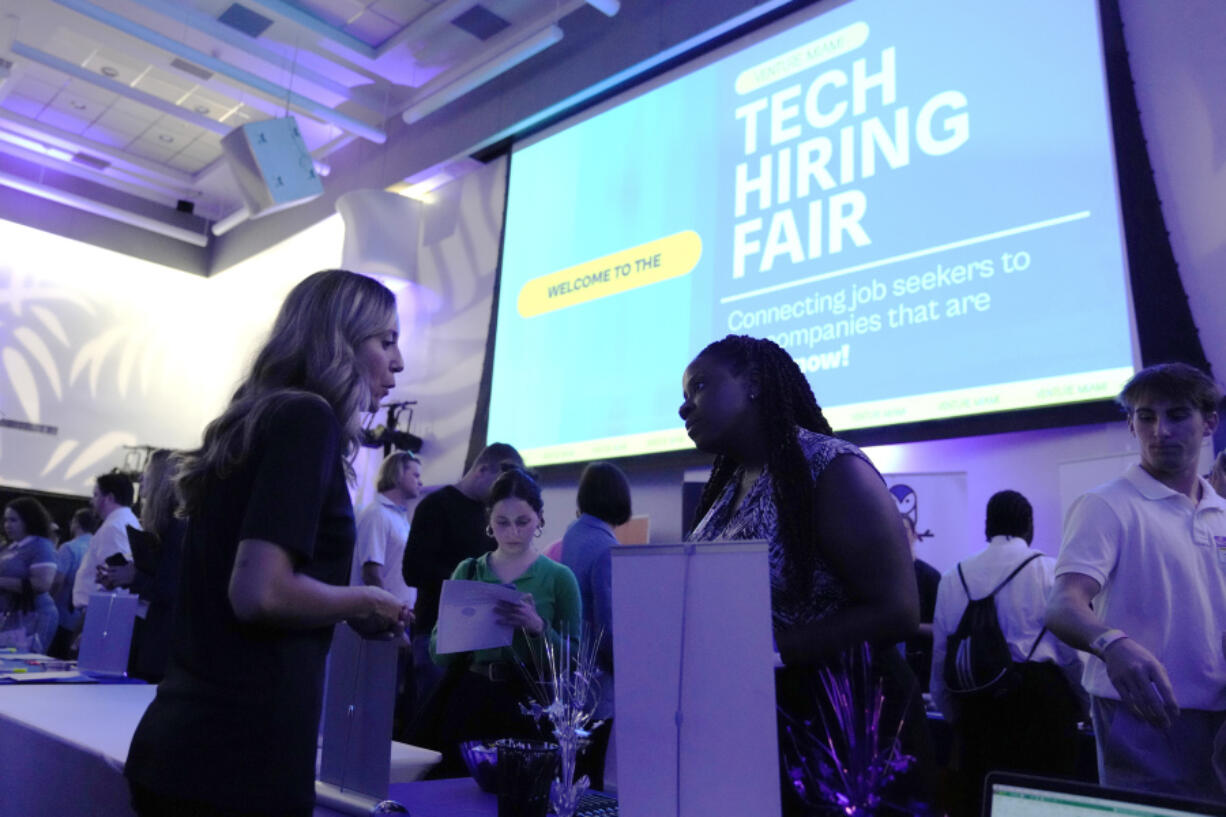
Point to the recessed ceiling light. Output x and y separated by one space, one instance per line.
77 104
165 137
110 71
203 110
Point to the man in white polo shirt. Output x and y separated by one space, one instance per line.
1141 585
378 553
112 501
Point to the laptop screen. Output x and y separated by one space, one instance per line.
1020 796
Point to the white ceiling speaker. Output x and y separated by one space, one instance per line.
271 164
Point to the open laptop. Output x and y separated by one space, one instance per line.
1015 795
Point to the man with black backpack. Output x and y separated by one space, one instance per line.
1008 688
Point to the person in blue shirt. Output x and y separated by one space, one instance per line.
27 569
68 558
604 503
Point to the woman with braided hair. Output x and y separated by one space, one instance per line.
841 570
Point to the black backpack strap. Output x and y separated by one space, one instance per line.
1016 570
1035 645
1008 579
995 590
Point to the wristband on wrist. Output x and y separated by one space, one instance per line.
1099 645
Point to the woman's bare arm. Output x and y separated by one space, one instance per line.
861 539
264 587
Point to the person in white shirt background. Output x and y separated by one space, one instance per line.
382 532
1030 727
112 501
1141 585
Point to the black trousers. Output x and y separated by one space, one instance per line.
1032 729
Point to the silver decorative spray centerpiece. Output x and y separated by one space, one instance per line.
565 687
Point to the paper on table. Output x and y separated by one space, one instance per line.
466 617
41 677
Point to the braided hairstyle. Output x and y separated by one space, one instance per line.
785 401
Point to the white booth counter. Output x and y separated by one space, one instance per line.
63 749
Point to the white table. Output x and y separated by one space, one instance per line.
63 749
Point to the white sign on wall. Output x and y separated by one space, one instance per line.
936 504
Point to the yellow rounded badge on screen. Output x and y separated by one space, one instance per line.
803 58
650 263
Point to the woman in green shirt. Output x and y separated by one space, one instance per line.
482 700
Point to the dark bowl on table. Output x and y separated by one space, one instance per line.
481 758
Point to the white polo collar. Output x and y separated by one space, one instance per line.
1152 489
391 506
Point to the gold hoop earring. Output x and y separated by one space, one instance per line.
489 531
538 533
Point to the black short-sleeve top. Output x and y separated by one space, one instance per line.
234 722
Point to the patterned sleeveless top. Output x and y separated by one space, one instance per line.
758 518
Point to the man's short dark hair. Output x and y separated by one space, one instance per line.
1010 514
604 492
118 486
496 454
1176 382
86 519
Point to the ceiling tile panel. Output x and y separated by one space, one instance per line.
24 105
202 151
91 93
71 46
243 115
372 28
79 107
36 72
171 131
150 147
336 13
111 64
209 103
108 136
400 11
189 163
63 120
35 89
204 144
164 86
135 110
123 124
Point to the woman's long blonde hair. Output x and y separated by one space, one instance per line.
311 349
157 492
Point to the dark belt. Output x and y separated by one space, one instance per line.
497 671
